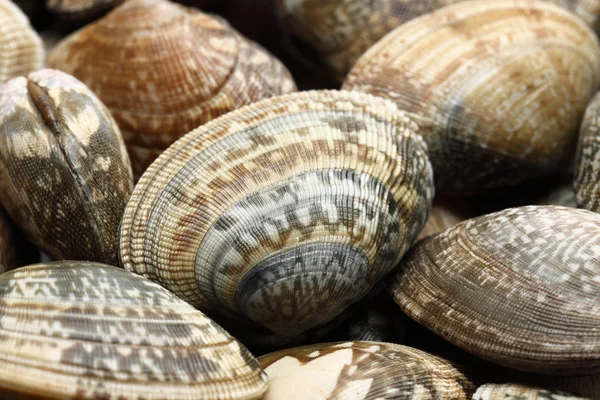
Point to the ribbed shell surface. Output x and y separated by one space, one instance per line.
77 330
497 87
518 287
163 70
361 371
587 166
21 47
492 391
7 243
65 176
285 211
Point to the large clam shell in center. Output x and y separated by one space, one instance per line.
285 211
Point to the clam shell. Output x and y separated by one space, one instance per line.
519 392
21 47
89 331
518 287
362 371
497 87
74 9
285 211
587 169
177 69
64 172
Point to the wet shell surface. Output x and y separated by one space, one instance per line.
285 211
177 69
64 172
497 87
21 47
519 392
587 166
89 331
74 9
518 287
361 371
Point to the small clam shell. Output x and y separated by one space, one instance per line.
587 170
285 211
89 331
518 287
177 69
64 172
497 87
361 371
21 47
519 392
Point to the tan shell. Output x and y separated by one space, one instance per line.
163 70
285 211
446 212
73 9
518 287
520 392
361 371
497 87
587 166
20 46
89 331
64 172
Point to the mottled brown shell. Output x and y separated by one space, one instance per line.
163 70
64 172
446 212
20 46
497 87
285 211
518 287
520 392
362 371
587 166
78 330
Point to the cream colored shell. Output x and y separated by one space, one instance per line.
520 392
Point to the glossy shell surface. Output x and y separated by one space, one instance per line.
497 87
520 392
285 211
361 371
587 170
21 47
177 69
90 331
64 172
518 287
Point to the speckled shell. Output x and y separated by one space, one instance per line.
497 87
177 68
587 165
7 243
89 331
74 9
518 287
362 371
21 47
64 172
285 211
519 392
446 212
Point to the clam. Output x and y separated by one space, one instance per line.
520 392
518 287
362 371
90 331
285 211
21 47
497 87
163 70
64 172
587 170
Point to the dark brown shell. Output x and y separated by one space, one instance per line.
362 371
497 87
285 211
64 172
518 287
79 330
177 68
520 392
587 170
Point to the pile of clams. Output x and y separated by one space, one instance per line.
390 199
